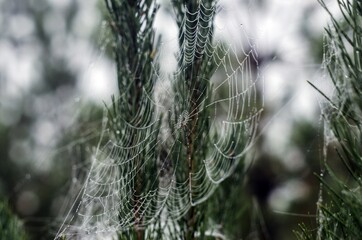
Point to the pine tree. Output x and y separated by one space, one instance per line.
157 164
340 203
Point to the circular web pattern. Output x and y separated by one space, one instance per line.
172 155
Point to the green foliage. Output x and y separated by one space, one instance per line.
231 208
10 225
339 215
153 176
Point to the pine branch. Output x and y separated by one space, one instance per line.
339 217
10 225
131 22
196 90
151 177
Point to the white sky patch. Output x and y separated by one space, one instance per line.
98 83
87 18
275 83
283 196
166 28
286 87
304 106
294 160
42 161
18 73
81 55
45 133
278 136
54 23
233 25
20 26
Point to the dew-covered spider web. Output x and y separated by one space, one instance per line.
191 129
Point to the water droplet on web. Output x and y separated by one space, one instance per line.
103 190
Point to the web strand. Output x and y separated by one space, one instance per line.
228 110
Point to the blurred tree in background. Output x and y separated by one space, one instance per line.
40 65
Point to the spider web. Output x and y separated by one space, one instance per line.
188 135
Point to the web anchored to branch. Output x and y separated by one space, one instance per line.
171 154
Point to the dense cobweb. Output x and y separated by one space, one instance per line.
158 149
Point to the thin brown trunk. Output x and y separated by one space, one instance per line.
192 126
138 178
137 205
191 168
